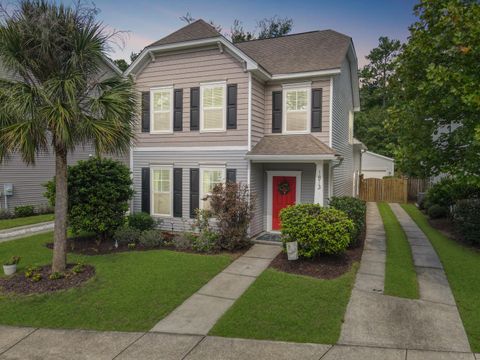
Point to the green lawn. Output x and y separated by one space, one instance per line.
132 291
281 306
400 276
462 266
29 220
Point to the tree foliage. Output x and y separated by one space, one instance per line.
274 27
239 34
436 103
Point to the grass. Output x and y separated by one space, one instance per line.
287 307
29 220
131 291
400 276
462 266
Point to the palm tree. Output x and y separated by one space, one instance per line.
62 98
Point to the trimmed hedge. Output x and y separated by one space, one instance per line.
24 211
141 221
356 210
437 211
318 230
467 219
448 190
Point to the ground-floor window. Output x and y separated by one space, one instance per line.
162 200
209 177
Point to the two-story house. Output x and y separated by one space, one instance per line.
276 114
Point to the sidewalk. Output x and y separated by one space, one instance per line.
29 343
27 230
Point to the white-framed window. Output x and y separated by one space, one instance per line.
351 117
161 110
213 100
297 113
209 177
161 189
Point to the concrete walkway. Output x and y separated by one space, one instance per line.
27 230
199 313
30 343
373 319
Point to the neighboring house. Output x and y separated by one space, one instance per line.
276 114
27 180
376 165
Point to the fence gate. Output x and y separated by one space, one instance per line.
390 190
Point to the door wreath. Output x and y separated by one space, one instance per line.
284 187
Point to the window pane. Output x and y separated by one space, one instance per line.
296 121
213 97
213 118
161 121
210 179
291 100
161 100
161 203
302 100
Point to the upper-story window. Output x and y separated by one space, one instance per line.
297 109
212 107
162 110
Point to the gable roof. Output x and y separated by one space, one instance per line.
196 30
310 51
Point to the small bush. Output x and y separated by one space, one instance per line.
151 238
78 269
132 246
36 277
205 242
25 210
141 221
318 230
207 239
232 206
183 241
437 211
45 209
14 260
466 219
448 190
126 235
5 214
32 270
356 210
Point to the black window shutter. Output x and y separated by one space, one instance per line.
232 175
178 110
194 191
146 111
195 108
232 106
276 112
146 190
316 110
177 192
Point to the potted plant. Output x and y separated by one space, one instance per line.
292 249
10 267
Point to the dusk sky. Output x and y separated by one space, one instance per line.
365 21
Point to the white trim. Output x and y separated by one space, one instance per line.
305 84
204 86
293 158
298 193
330 180
112 65
330 116
152 169
153 90
305 74
380 156
308 110
318 187
189 148
202 170
249 111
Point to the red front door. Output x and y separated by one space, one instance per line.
284 193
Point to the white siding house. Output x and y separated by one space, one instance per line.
376 165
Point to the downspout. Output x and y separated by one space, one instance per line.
340 161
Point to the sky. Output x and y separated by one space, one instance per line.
144 22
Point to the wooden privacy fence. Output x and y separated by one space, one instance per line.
390 190
415 186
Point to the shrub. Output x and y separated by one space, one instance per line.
356 210
448 190
318 230
98 194
78 268
232 206
151 238
126 235
207 239
5 214
466 219
141 221
14 260
437 211
45 209
183 241
25 210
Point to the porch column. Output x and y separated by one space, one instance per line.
318 198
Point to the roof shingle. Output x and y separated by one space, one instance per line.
303 144
195 31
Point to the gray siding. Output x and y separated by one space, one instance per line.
185 160
342 104
187 69
326 179
258 187
258 110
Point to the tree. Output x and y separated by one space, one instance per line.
63 99
436 102
121 63
238 34
274 27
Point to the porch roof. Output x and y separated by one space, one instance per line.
291 147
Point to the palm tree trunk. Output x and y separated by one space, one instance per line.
61 207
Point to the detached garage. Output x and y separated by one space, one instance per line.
376 165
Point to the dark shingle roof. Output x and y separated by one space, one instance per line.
306 144
197 30
311 51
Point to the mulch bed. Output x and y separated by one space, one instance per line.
20 284
321 267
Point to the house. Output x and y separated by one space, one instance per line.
377 166
276 114
26 180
